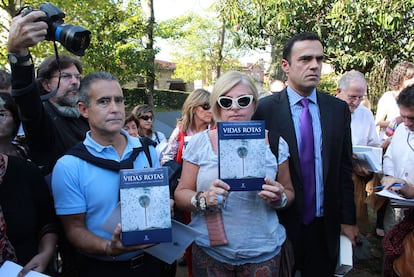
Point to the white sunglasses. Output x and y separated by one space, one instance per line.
242 102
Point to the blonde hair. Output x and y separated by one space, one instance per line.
196 98
225 83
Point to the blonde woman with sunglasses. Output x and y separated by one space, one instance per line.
251 226
196 116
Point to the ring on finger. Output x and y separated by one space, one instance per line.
275 199
219 199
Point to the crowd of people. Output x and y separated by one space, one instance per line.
64 138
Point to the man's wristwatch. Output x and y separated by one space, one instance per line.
16 59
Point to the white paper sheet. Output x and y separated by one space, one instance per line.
182 237
11 269
396 199
345 262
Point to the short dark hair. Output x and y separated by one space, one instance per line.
131 117
83 95
287 48
5 80
50 65
11 106
406 97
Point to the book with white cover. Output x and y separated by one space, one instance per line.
369 156
241 154
145 206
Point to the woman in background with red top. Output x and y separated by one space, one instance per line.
196 116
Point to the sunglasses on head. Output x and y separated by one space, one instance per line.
205 106
242 102
145 117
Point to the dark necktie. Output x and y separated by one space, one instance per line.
307 163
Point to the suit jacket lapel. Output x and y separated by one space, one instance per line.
287 131
327 121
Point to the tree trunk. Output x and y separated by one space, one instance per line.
220 49
150 72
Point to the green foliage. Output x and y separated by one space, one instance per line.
328 83
360 35
370 36
164 100
257 22
116 42
198 51
371 31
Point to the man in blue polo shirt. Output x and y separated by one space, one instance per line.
86 194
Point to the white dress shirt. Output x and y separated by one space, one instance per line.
399 157
363 127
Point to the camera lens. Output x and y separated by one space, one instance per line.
74 38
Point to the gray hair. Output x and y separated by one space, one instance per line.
348 77
89 79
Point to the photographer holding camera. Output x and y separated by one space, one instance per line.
55 125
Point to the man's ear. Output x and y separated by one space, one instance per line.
338 91
83 109
285 65
46 85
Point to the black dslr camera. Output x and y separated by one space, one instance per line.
74 38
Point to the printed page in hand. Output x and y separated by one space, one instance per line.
241 154
396 200
145 206
10 268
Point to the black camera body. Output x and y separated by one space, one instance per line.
74 38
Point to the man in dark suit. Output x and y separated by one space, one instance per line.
314 235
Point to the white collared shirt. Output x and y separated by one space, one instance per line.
363 127
399 158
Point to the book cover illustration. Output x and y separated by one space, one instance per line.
241 154
145 206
